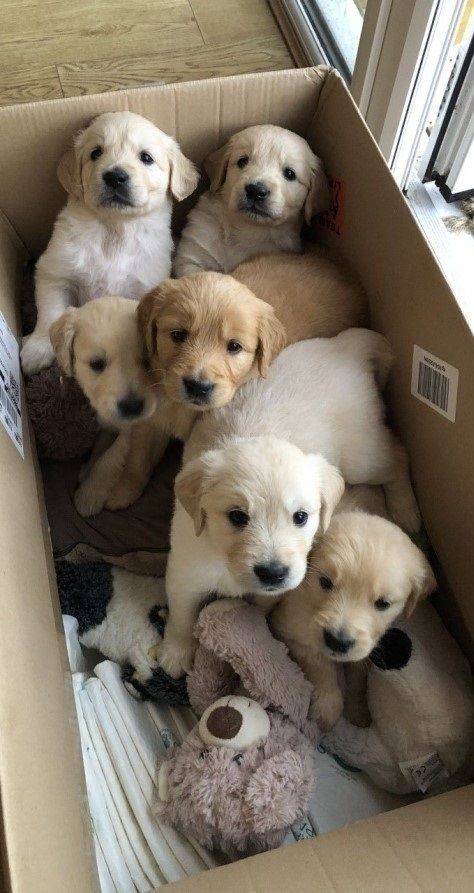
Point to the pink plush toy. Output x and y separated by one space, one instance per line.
246 771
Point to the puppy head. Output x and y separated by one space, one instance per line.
364 572
260 503
100 346
122 165
206 334
269 176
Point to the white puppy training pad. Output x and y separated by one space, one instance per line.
122 740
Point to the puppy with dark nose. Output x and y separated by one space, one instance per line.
100 346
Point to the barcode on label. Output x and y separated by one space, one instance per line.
434 382
433 385
8 406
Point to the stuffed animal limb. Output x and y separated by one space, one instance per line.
421 700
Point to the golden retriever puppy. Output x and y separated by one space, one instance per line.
275 458
263 183
363 572
100 345
114 234
209 333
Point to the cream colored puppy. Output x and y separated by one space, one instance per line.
114 234
263 183
251 474
363 573
100 345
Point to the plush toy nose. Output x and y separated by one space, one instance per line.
224 722
237 722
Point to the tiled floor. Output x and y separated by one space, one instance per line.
53 48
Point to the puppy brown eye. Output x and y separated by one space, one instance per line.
238 758
146 158
243 161
234 347
96 153
325 583
382 604
178 335
289 173
238 518
98 364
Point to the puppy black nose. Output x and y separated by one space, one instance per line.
272 574
198 389
130 407
256 191
115 177
338 642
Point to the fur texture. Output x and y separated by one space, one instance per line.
231 223
231 461
114 235
363 573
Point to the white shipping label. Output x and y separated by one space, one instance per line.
434 382
425 771
10 392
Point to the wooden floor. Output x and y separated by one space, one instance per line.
54 48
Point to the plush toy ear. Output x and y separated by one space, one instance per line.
423 584
277 793
149 310
271 340
69 173
183 175
215 166
62 334
331 487
319 194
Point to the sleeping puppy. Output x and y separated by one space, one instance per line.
114 234
363 573
209 333
100 345
262 475
263 183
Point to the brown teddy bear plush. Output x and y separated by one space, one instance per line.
246 771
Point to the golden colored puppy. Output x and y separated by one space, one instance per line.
209 333
363 573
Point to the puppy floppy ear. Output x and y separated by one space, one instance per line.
69 173
331 486
271 340
62 334
423 584
148 312
319 194
193 482
215 166
184 177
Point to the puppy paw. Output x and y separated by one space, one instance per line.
124 493
326 708
405 512
88 499
176 656
37 353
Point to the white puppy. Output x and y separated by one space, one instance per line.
114 234
249 502
263 183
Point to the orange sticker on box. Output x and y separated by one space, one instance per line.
333 218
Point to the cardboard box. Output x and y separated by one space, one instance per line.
47 844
